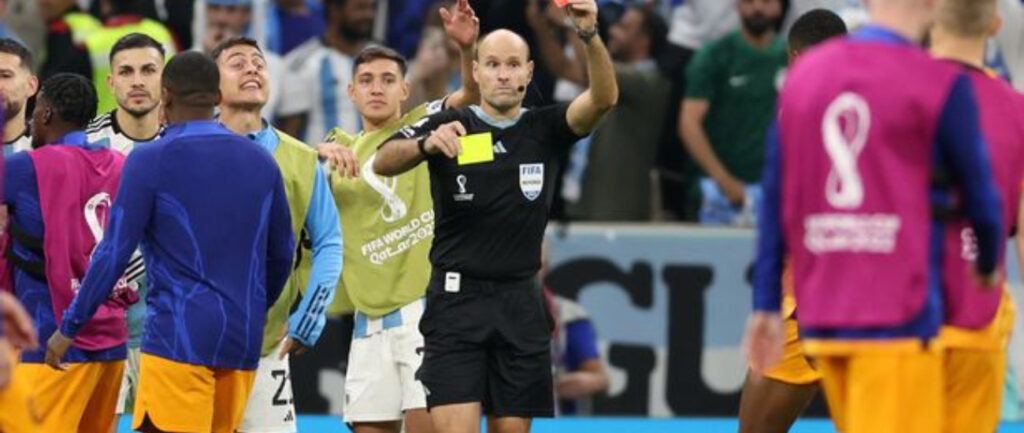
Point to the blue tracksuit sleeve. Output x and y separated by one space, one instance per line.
965 152
280 243
129 216
770 243
324 227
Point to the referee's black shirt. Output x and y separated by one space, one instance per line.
490 217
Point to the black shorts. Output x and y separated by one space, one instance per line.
488 343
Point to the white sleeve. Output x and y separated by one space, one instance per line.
299 86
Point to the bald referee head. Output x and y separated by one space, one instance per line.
191 87
503 69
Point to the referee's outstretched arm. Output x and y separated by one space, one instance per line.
587 109
503 71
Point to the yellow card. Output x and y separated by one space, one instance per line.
476 148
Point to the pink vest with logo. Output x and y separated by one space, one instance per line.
857 142
76 189
1002 121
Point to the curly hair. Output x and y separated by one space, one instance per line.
72 97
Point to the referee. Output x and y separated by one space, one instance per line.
492 172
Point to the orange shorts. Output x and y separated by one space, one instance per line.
975 371
794 367
176 396
17 407
881 386
82 399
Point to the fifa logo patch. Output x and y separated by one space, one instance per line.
461 180
531 180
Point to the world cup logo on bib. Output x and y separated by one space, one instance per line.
531 180
844 130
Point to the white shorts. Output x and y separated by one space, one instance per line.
381 384
129 383
271 408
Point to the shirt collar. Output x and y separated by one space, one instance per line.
877 33
266 137
75 138
194 127
507 123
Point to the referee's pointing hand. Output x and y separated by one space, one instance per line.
445 139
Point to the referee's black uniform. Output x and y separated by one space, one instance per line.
487 328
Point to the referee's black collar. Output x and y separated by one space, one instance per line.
500 124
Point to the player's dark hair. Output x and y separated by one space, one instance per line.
655 28
72 97
135 40
815 27
376 52
192 78
13 47
232 42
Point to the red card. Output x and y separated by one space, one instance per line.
562 3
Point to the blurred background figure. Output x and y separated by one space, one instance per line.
319 70
732 84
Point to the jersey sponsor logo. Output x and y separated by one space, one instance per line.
462 180
531 180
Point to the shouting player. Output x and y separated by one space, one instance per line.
218 253
873 138
244 86
980 320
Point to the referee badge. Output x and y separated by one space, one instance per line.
531 180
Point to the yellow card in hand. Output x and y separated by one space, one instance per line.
476 149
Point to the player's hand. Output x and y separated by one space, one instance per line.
292 346
575 385
19 330
461 24
55 350
764 340
583 14
5 363
734 189
445 140
340 158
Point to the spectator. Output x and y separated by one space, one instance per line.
732 84
319 71
579 370
291 23
126 17
23 18
698 22
5 31
67 27
226 19
616 182
407 24
1010 40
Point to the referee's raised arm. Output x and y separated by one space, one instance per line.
587 109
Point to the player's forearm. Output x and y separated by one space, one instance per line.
604 88
554 56
469 94
770 242
699 147
105 268
396 157
323 225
